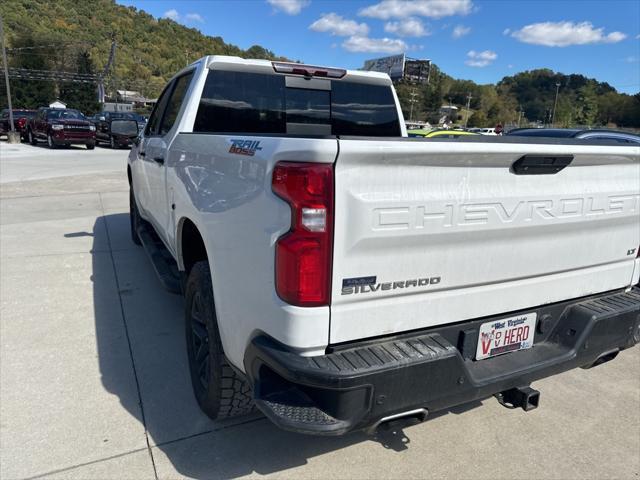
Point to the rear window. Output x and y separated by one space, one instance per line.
364 110
255 103
124 127
308 106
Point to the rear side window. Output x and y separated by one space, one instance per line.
175 101
241 102
154 119
257 103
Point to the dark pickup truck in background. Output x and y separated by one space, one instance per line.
61 126
117 129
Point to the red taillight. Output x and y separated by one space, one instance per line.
303 254
21 122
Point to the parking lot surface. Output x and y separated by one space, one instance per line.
94 380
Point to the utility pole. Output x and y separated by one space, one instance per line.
555 104
466 117
413 100
12 135
519 115
115 83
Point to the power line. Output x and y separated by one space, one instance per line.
31 74
51 45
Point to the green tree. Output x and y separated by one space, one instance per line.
411 101
432 99
478 119
565 111
82 96
29 93
587 105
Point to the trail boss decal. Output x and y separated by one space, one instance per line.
244 147
351 286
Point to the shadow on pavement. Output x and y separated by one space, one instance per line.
155 388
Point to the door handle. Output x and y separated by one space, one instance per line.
540 164
159 160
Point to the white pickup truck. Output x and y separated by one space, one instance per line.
338 274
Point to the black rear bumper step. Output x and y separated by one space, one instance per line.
357 386
163 262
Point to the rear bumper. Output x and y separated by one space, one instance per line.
355 386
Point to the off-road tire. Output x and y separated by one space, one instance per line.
91 146
219 390
134 218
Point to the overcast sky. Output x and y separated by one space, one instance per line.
481 40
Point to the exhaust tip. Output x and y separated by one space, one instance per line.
604 358
419 413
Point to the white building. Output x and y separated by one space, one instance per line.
57 104
450 110
126 96
117 107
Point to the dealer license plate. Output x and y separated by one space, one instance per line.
506 335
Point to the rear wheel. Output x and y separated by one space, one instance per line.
134 218
219 390
91 146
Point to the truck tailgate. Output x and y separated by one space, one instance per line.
435 232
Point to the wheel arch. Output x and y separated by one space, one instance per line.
191 245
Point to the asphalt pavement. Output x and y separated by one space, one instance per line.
94 381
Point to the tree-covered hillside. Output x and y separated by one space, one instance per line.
527 97
149 50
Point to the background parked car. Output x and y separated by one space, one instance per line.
117 129
142 121
419 132
61 126
596 134
441 134
20 119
